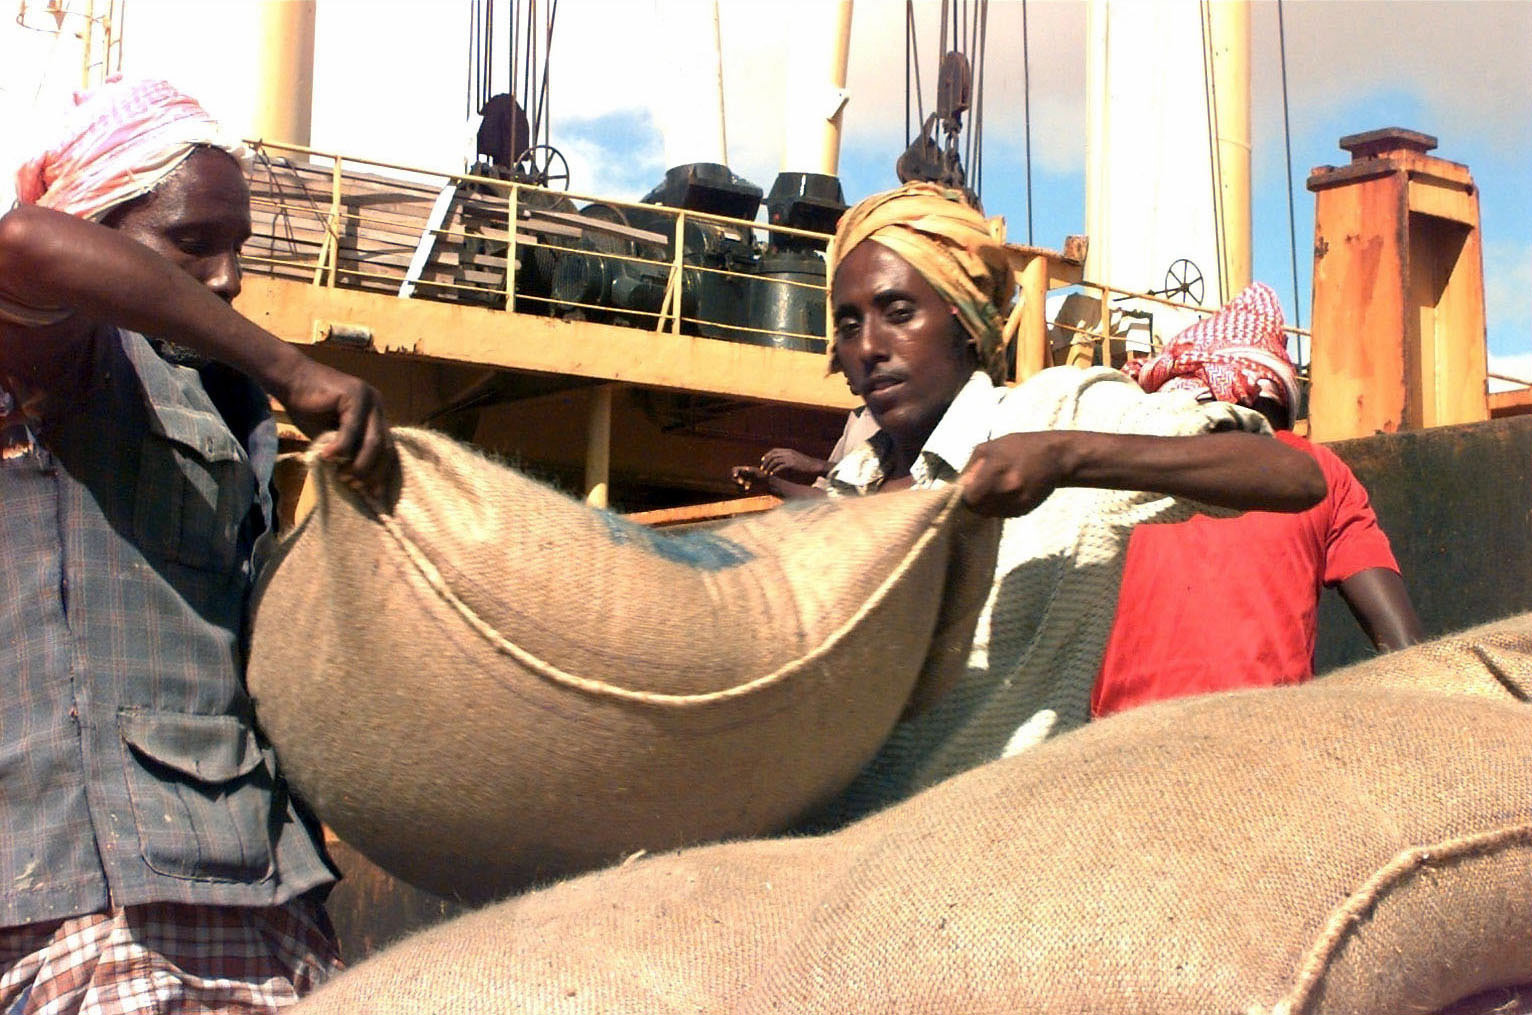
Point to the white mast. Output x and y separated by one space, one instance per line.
817 54
691 41
1168 147
284 107
1228 45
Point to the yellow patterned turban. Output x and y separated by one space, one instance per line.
957 250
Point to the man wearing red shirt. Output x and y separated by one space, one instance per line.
1216 604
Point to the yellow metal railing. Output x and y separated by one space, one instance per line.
1099 339
358 223
355 238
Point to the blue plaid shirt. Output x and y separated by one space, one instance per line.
130 767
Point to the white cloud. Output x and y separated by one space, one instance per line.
1466 62
1518 366
1055 47
1508 293
592 170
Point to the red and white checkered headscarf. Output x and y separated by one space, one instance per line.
1237 355
118 142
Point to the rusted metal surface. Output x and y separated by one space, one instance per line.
1456 502
1398 321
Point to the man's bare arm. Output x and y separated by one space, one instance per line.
1381 604
1013 474
51 259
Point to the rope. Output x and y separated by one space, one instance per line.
487 67
1210 91
1287 138
473 49
965 43
914 57
530 45
942 48
978 121
1026 93
599 688
544 106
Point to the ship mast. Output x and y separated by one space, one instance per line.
1226 44
1168 150
95 24
285 103
691 110
816 90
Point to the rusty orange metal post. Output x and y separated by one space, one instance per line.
1398 322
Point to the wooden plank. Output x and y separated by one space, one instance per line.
600 226
491 338
485 278
694 513
543 228
1510 403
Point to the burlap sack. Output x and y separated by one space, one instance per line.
1493 660
493 684
1314 849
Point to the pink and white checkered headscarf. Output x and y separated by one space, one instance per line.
1237 355
118 142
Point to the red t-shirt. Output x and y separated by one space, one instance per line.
1213 604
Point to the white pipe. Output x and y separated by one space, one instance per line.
817 57
1098 134
1152 197
284 107
598 447
691 39
1229 40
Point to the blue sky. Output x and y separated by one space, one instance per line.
390 80
1455 69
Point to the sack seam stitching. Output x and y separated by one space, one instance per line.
589 685
1344 918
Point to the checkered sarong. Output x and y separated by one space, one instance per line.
166 958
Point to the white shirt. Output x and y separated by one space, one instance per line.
1038 643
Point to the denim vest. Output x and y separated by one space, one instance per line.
130 767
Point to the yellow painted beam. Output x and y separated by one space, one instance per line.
303 314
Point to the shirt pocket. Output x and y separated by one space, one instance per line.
194 490
202 789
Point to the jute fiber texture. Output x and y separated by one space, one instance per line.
1493 660
1293 850
489 684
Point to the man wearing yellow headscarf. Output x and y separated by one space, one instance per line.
922 301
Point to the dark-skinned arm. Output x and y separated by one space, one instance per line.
51 259
793 466
753 479
1381 605
1011 475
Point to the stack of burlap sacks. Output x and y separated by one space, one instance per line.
1362 844
484 684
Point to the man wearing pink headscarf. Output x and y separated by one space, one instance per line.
1215 604
151 859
